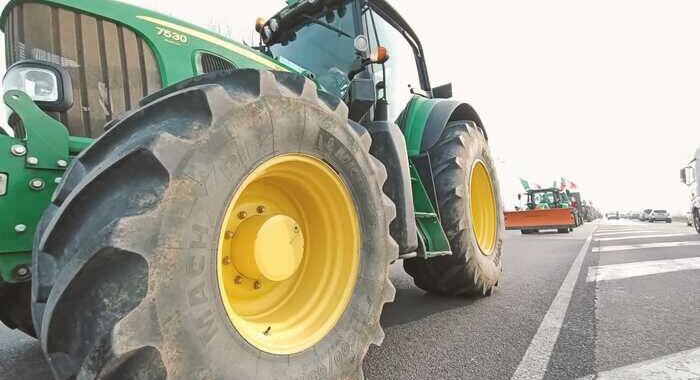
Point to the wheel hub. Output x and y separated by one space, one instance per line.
288 254
268 247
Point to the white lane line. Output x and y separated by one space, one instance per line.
629 247
534 363
684 365
641 268
642 236
625 232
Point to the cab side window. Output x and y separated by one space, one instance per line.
400 72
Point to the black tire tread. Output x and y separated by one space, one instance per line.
79 255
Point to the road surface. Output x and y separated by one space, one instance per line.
612 300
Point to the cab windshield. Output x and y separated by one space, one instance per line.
322 51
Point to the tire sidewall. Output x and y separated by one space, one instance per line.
488 265
189 302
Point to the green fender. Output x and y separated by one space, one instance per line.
424 120
422 123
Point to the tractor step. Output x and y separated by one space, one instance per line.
431 254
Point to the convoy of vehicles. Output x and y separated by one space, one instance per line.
689 177
173 199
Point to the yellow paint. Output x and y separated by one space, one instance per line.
216 41
482 204
288 254
271 247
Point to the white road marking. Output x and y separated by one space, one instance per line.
534 363
684 365
642 236
641 268
629 247
625 232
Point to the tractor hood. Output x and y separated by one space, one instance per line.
173 41
116 53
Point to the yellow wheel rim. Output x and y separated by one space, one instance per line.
288 256
483 207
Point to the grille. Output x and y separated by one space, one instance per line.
111 68
209 63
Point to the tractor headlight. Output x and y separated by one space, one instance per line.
47 84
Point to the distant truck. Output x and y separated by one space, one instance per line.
689 176
545 209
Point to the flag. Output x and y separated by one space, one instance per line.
526 185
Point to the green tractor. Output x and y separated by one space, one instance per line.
177 205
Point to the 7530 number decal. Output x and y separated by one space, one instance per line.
172 36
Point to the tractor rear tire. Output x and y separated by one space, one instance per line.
469 270
128 282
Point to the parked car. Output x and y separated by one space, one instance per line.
634 214
660 215
644 215
612 215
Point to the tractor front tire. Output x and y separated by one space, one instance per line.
232 228
471 214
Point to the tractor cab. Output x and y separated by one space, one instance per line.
361 51
547 198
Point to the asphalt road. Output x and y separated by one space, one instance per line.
612 300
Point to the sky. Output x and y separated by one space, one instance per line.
604 92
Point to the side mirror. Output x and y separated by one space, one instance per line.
443 92
683 178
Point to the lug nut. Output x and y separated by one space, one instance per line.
242 215
260 209
20 228
238 280
57 180
227 260
18 150
257 285
36 184
61 163
32 160
229 235
22 271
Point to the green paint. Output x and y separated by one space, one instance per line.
47 138
429 227
10 261
414 121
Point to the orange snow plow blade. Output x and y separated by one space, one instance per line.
540 219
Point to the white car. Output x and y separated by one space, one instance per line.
659 215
